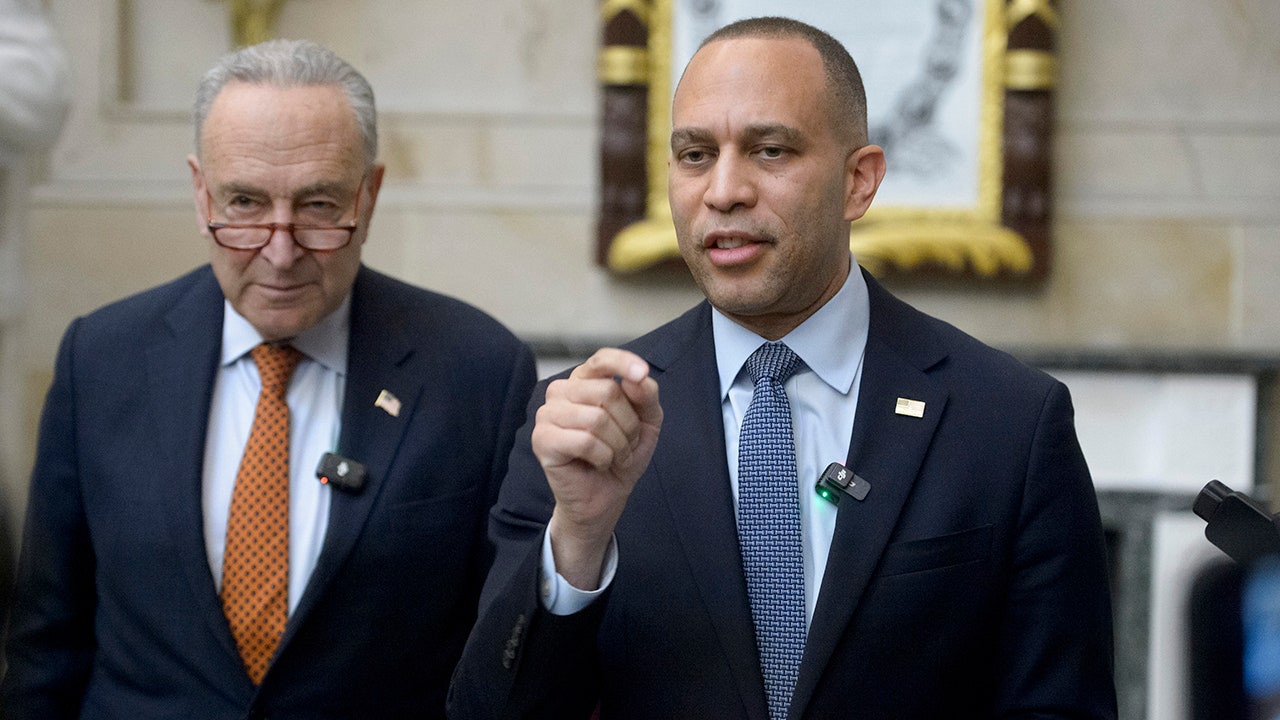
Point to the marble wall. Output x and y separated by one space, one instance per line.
1167 161
1167 170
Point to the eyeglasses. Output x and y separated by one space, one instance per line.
310 236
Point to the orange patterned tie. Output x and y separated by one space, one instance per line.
255 566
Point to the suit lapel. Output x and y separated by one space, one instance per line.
181 369
180 374
378 360
887 449
694 477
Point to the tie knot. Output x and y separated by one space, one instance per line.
276 364
774 361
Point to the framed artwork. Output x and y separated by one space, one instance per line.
959 94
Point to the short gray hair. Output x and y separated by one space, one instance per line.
287 64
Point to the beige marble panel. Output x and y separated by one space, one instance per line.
1134 164
151 75
492 152
385 244
1159 283
421 57
1176 61
1190 173
445 150
1115 285
1257 324
1240 165
495 56
133 152
547 154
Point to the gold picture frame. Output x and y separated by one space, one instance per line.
1005 234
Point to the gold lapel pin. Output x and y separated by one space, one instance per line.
388 402
910 408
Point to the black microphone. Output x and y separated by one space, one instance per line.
342 473
839 480
1237 524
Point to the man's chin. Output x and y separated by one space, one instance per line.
745 293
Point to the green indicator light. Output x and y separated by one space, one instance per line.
827 494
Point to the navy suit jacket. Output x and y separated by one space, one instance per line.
117 615
970 582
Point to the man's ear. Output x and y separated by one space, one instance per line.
199 193
863 171
373 184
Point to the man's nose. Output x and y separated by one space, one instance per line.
730 184
281 250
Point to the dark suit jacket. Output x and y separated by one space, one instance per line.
970 582
117 615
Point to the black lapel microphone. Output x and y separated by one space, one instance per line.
838 480
342 473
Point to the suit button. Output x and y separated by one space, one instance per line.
513 642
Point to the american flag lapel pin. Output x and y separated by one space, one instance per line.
388 402
910 408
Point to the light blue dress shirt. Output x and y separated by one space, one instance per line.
823 394
315 415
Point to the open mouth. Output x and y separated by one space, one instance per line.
733 248
729 240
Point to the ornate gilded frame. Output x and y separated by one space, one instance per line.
1005 235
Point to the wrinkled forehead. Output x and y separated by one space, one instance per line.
308 133
281 117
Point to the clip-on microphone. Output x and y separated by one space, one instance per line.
343 474
839 480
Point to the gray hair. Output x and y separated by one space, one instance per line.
287 64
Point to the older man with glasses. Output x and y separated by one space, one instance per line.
261 488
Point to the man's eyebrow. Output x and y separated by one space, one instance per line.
751 134
690 135
324 187
786 133
235 188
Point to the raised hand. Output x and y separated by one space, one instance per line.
594 437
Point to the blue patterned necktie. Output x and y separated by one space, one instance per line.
769 524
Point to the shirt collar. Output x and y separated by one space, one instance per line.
830 342
325 342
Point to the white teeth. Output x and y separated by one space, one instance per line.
730 243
